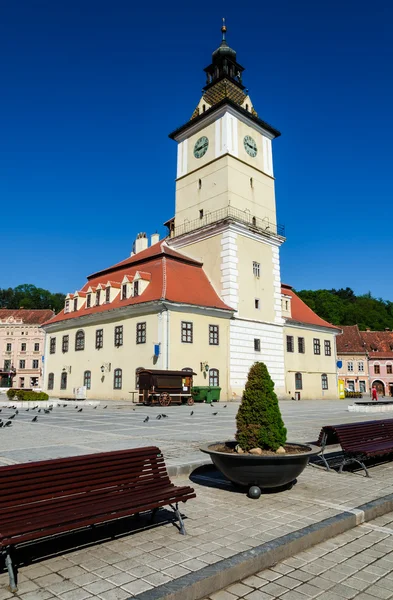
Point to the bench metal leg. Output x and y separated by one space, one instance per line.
179 518
323 446
360 462
10 569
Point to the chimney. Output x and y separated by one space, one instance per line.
387 329
141 242
154 238
368 329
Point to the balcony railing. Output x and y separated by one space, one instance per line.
233 214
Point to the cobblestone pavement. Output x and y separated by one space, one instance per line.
356 564
65 432
220 523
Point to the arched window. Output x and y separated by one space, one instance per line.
117 379
214 377
324 379
298 381
63 381
51 381
80 340
87 379
137 371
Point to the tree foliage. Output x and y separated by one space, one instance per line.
30 297
259 421
343 307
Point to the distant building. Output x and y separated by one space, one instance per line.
352 354
379 345
22 347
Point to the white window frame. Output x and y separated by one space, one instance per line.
256 268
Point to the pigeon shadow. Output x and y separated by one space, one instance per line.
209 476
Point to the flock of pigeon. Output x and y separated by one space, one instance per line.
47 411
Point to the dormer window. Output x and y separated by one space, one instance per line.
67 306
75 303
98 297
124 291
108 294
88 300
136 288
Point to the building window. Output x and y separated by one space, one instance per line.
186 332
118 335
63 381
317 346
75 303
98 293
23 347
80 340
351 386
201 213
377 370
257 344
389 369
324 379
65 343
137 371
214 377
256 303
36 347
35 364
136 288
362 386
51 381
328 348
350 366
124 291
87 379
117 379
22 364
99 338
290 347
7 365
361 367
213 335
52 345
67 306
108 294
298 381
301 345
141 333
256 268
9 347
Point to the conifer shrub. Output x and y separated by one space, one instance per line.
259 421
11 393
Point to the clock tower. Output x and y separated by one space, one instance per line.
226 213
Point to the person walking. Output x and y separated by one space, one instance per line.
374 394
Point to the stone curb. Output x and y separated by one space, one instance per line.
210 579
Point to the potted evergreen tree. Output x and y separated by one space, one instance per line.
260 457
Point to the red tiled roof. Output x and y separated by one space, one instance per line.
174 277
29 317
350 341
378 342
301 313
380 355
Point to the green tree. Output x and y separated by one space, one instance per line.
259 421
29 296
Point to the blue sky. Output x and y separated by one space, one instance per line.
90 90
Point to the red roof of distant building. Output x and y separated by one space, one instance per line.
28 317
301 313
350 341
378 343
173 277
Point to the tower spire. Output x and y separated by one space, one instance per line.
223 30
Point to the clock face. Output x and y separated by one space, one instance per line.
250 145
201 147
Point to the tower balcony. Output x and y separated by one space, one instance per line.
231 215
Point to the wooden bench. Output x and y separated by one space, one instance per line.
52 497
358 441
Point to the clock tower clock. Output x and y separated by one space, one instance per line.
226 212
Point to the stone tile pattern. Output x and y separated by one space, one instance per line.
356 564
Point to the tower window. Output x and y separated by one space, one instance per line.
256 303
201 213
247 107
256 268
251 182
257 344
199 183
203 107
254 221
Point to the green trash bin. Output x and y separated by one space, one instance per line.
213 394
199 393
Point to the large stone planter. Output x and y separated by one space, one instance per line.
256 472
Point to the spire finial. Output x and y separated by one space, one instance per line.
223 29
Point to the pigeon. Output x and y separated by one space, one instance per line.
225 406
47 412
214 414
146 420
12 416
64 405
17 412
0 409
158 417
76 407
34 419
8 424
164 416
192 412
39 410
134 409
105 406
50 406
94 407
1 424
80 410
58 404
27 409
